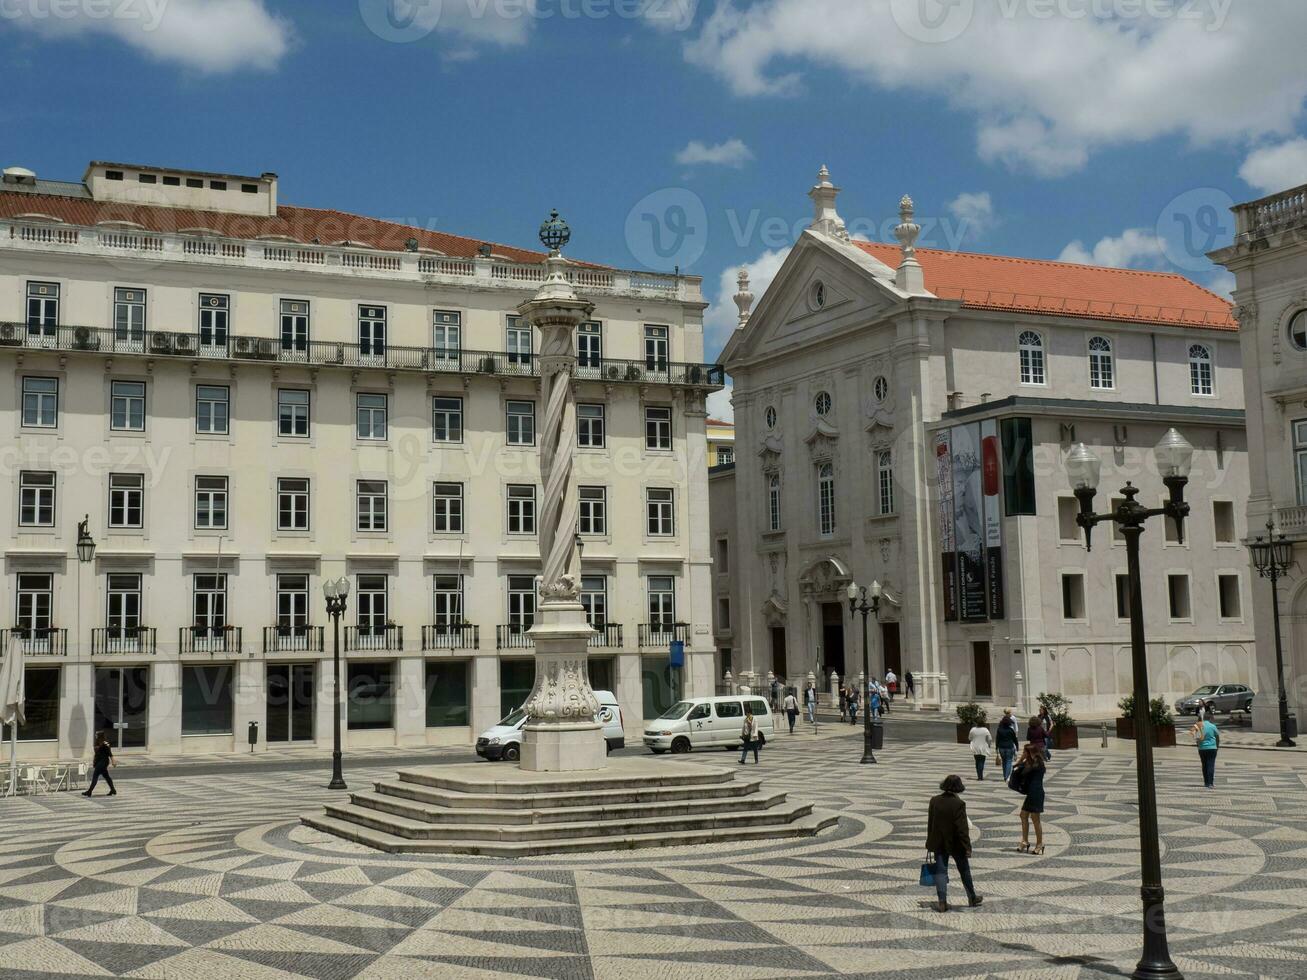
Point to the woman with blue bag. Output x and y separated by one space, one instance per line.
948 835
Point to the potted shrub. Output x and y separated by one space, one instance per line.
1065 733
1159 713
970 715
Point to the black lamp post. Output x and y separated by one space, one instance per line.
1174 457
1272 558
337 593
866 601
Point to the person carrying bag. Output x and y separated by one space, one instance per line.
750 737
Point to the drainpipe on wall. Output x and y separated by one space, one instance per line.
1157 388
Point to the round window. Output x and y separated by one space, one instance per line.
818 294
823 403
1298 330
881 388
770 416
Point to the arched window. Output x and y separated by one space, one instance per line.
885 480
774 502
826 499
1200 370
1298 330
1101 370
1031 346
823 403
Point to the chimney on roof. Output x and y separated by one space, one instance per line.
825 219
909 278
743 298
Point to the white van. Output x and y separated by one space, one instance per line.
699 723
504 741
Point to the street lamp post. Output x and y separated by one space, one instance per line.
867 602
1272 558
1174 457
337 594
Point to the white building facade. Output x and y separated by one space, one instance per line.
247 399
902 416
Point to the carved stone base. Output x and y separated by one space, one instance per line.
561 734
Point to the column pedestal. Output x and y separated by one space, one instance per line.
561 734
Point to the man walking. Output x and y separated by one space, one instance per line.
100 765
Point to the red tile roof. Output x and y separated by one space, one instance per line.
999 282
302 225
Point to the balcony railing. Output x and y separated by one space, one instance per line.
134 640
1287 209
661 635
209 639
45 642
513 636
429 360
292 639
606 636
449 637
388 638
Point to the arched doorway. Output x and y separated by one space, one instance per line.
823 584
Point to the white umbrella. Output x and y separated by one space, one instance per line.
12 704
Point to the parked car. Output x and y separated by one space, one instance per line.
1227 699
706 722
504 740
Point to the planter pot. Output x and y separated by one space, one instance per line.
1066 738
1163 735
1125 728
963 732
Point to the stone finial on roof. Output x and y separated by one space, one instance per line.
826 219
909 278
744 297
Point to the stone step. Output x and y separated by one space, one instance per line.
434 810
670 827
460 799
806 826
509 781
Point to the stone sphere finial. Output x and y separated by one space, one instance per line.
554 233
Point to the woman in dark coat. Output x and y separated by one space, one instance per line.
100 766
948 835
1029 775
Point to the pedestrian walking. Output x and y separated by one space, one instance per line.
775 693
981 742
791 709
874 701
948 835
1208 739
909 683
891 683
844 703
750 737
1028 778
101 764
884 697
853 705
1046 720
810 699
1008 742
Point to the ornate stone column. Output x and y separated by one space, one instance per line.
561 733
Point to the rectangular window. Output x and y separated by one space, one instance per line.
657 428
36 498
1018 467
594 597
294 328
212 409
1171 528
126 500
1223 521
774 502
215 312
210 601
372 602
589 345
520 423
662 600
447 693
42 310
446 419
129 319
292 413
447 600
1230 598
447 508
41 700
522 509
826 499
1122 596
371 414
206 699
593 516
210 502
518 342
590 426
723 556
35 604
521 603
660 511
371 694
127 406
1177 588
725 455
292 504
1115 528
122 605
885 481
723 613
447 336
372 505
1067 528
292 601
655 347
1073 596
41 402
372 331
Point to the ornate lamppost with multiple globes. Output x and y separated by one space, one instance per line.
1273 557
337 595
1174 457
866 601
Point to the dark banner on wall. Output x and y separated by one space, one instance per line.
947 545
991 484
969 522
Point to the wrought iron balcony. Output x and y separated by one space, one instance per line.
513 636
606 636
428 360
388 638
292 639
661 635
209 639
447 636
132 640
47 641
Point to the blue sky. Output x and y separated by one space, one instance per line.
1115 131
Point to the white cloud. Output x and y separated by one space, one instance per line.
722 315
211 36
1045 91
975 212
1134 248
720 406
1271 169
1222 283
732 153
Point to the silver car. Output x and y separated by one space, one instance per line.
1225 698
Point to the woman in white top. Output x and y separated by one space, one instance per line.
981 741
749 737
